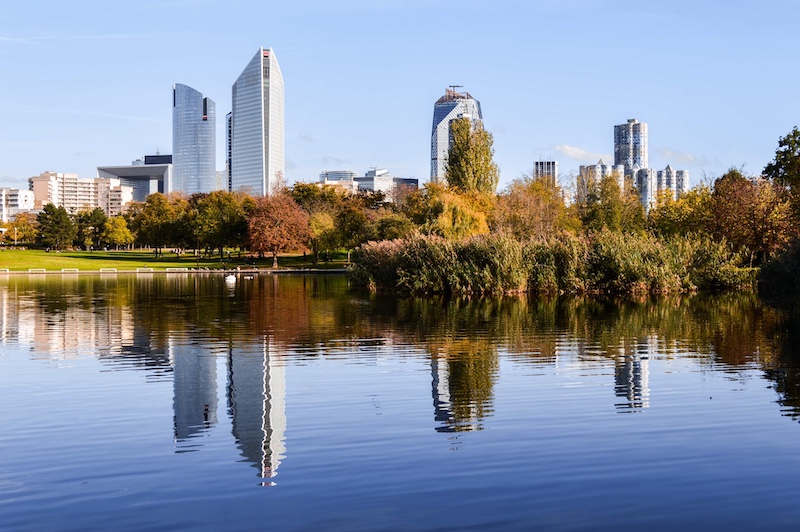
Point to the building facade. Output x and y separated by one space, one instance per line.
630 144
449 107
76 194
337 175
194 147
374 180
144 176
594 173
547 169
256 126
14 201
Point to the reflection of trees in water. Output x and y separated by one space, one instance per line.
134 319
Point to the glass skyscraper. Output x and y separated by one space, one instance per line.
256 126
194 146
447 108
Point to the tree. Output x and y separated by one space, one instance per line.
221 219
609 206
56 228
277 224
752 214
116 232
90 227
688 214
354 227
157 222
394 225
455 216
531 207
447 212
313 198
470 167
322 236
784 169
22 230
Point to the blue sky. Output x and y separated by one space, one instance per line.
88 83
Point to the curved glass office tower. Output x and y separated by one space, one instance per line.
256 126
194 147
447 108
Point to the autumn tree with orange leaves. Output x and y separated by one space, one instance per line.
277 224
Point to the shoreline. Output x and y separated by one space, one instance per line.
182 271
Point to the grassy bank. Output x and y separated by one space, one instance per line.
23 260
603 263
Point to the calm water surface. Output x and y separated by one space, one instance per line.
288 403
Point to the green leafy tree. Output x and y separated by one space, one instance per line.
277 224
785 167
394 225
90 227
470 164
611 207
56 228
322 234
116 232
690 213
221 219
157 222
354 226
313 198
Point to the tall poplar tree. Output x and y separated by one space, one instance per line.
470 164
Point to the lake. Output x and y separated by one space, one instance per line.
286 402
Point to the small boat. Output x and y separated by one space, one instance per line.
230 279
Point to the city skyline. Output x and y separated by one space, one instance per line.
338 83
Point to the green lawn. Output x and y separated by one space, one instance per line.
22 260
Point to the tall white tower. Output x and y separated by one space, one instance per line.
256 131
630 145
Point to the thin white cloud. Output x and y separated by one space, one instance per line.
75 111
335 160
581 155
682 157
305 137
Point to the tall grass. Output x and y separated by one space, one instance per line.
605 262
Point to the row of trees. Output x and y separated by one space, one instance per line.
755 216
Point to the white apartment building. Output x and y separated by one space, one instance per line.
14 201
589 174
630 144
76 193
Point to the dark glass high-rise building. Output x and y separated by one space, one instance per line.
194 146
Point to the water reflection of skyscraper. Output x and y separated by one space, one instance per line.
195 390
462 390
256 399
632 378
